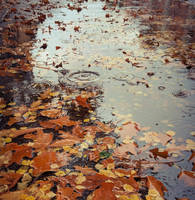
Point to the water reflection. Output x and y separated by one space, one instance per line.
124 51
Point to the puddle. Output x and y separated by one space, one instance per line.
108 43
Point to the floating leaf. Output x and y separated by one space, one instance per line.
188 177
156 152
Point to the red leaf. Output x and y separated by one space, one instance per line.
58 47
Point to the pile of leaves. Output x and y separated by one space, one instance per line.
47 154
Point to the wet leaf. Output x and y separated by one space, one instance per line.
83 101
52 113
9 179
188 177
123 149
155 187
105 188
43 162
105 154
156 152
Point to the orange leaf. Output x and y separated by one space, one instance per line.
45 94
103 127
13 120
62 121
153 183
66 193
68 139
82 101
9 179
41 139
52 113
78 131
35 104
43 162
12 195
104 192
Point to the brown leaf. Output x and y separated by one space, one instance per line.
128 130
105 192
9 179
104 127
156 152
52 113
122 150
66 193
68 139
13 120
62 121
58 47
43 162
77 28
78 131
188 177
41 139
155 184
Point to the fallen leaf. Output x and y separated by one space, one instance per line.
155 186
43 162
105 192
122 150
52 113
188 177
156 152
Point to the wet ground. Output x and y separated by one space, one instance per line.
130 62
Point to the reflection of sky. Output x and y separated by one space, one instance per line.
101 42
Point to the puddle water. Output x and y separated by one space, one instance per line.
141 81
136 63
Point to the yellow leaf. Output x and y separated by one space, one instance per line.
60 173
12 104
80 179
22 170
26 162
129 197
2 106
8 140
86 120
80 187
170 133
54 94
107 173
99 166
153 195
128 188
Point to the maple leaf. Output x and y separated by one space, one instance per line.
128 130
122 150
